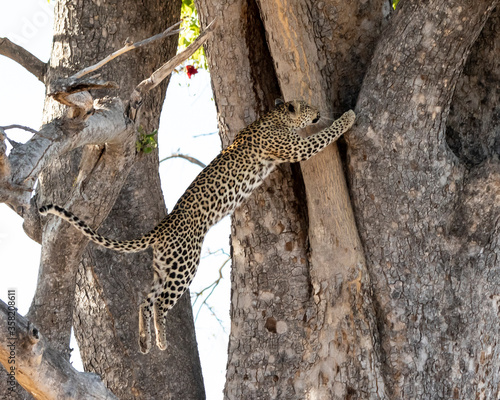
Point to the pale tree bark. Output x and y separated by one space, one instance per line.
396 300
341 328
269 231
41 370
95 182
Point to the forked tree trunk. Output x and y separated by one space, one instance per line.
307 320
280 296
396 300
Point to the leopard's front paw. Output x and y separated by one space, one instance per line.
348 119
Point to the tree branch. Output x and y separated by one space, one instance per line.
15 126
185 157
166 69
24 58
38 368
128 46
106 125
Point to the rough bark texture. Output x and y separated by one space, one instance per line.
89 182
307 321
117 283
280 299
407 308
428 222
314 40
269 232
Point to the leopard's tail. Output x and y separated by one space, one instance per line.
126 246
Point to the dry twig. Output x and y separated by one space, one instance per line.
185 157
166 69
128 46
15 126
212 286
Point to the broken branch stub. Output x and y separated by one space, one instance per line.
38 368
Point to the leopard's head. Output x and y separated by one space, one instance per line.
297 114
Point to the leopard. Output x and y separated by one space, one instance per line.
216 192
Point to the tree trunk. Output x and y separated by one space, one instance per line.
280 300
270 229
428 222
394 300
95 183
307 320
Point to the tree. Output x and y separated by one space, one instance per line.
78 285
394 297
331 304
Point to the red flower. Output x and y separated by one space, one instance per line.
191 70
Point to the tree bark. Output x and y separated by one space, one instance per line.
95 182
280 293
429 225
317 42
269 231
396 300
307 320
43 371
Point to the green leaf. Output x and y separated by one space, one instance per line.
191 30
146 142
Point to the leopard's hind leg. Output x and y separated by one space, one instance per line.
178 272
149 307
145 311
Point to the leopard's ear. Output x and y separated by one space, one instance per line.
291 107
278 102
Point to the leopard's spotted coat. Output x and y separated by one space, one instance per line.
216 192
